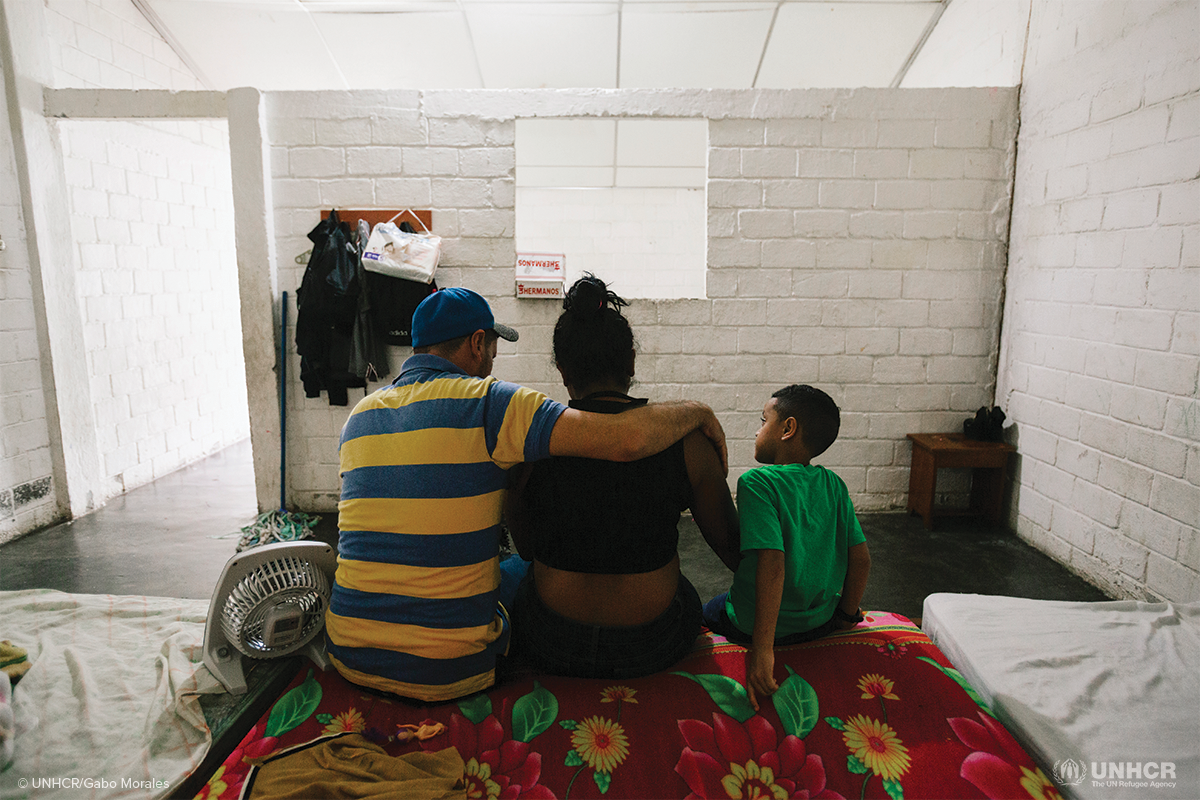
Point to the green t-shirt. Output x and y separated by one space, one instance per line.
806 512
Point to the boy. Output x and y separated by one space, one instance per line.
806 560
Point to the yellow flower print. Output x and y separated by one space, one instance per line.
1038 785
876 745
350 721
215 786
601 743
752 782
618 694
478 778
875 685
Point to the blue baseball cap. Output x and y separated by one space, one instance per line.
450 313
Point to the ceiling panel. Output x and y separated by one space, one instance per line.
501 44
662 47
266 45
414 50
552 45
841 44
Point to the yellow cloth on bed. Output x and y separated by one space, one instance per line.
14 661
352 768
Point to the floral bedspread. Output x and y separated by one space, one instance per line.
873 712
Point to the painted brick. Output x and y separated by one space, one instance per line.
346 193
784 194
1161 453
876 224
400 129
1171 578
771 162
850 194
823 163
724 162
462 193
960 133
884 284
905 133
343 131
822 223
725 253
882 164
850 133
765 224
373 161
903 194
936 164
737 133
735 194
793 133
741 312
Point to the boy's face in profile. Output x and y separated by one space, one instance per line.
769 436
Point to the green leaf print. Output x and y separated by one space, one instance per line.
796 703
573 759
836 723
893 788
729 695
294 707
603 780
568 724
957 677
476 708
533 713
855 765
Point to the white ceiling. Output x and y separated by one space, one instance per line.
501 44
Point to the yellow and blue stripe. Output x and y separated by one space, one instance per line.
414 608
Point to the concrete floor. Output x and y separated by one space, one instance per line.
161 540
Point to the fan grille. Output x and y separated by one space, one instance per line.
284 580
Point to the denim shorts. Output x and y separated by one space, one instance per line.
560 646
718 621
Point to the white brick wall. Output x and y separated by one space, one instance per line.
27 491
855 241
109 44
1101 354
152 219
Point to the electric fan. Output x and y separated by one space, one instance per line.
269 602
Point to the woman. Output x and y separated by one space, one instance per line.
604 597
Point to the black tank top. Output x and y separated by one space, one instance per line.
605 517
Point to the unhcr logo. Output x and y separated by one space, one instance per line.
1070 772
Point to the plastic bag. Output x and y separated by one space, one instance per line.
399 254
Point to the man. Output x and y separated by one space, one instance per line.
416 605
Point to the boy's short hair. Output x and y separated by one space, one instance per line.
815 411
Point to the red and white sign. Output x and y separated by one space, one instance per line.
540 274
541 266
546 289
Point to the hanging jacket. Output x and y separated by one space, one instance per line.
327 306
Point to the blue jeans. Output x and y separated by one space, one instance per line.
718 621
561 646
512 571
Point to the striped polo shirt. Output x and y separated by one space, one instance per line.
415 607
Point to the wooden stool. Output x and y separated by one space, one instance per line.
987 460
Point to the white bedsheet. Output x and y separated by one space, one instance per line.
110 707
1102 684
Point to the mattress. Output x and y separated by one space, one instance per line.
1105 696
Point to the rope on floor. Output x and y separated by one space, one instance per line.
277 526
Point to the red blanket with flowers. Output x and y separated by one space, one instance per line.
873 712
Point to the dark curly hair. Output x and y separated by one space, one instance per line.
816 412
592 339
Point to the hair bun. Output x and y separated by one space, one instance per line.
589 296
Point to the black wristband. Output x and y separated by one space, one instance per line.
855 618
